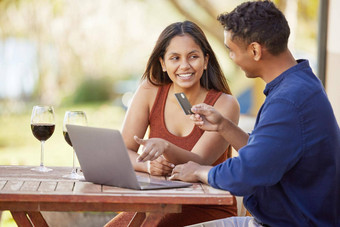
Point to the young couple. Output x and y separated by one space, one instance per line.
287 169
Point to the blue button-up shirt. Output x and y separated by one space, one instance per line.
289 171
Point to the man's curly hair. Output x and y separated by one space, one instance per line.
260 22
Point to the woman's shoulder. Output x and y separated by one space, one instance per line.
227 97
147 88
226 103
149 93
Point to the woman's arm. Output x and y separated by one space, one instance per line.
137 120
208 148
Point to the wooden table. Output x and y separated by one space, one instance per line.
25 193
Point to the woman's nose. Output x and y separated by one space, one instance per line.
184 64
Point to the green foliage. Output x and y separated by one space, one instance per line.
93 90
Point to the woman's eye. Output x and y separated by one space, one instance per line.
174 58
194 56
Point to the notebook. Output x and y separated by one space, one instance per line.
104 159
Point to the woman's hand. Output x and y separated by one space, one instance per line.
152 148
160 167
206 117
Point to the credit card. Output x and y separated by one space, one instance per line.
184 102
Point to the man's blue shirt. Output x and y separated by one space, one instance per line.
289 172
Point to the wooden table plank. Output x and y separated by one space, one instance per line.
81 187
65 186
210 190
98 207
19 206
30 186
2 184
12 185
47 186
25 172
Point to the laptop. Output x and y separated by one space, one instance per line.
104 159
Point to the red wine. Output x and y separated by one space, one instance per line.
42 131
67 138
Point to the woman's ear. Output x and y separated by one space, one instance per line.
206 60
255 49
162 64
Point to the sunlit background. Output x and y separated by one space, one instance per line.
89 55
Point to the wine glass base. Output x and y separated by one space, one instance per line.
42 169
74 176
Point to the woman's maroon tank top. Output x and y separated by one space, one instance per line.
158 128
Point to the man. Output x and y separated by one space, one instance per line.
288 168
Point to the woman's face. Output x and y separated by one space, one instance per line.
184 61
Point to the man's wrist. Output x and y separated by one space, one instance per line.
224 125
201 173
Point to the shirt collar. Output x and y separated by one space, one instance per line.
301 64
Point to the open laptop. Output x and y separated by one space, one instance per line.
104 159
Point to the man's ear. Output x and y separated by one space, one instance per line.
255 49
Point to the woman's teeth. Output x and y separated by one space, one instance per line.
185 75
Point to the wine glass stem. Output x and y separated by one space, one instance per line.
42 153
74 161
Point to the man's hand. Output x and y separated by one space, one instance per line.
209 119
206 117
191 172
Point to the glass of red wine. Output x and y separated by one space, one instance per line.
42 125
73 118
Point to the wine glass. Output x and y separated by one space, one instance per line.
42 125
73 118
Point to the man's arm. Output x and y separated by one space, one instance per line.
273 148
208 119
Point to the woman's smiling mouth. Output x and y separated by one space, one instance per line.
185 76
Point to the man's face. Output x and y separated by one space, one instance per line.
241 56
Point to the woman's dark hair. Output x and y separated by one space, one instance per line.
213 77
259 22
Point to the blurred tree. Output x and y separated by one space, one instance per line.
82 38
209 24
32 20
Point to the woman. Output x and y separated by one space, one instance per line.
181 61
